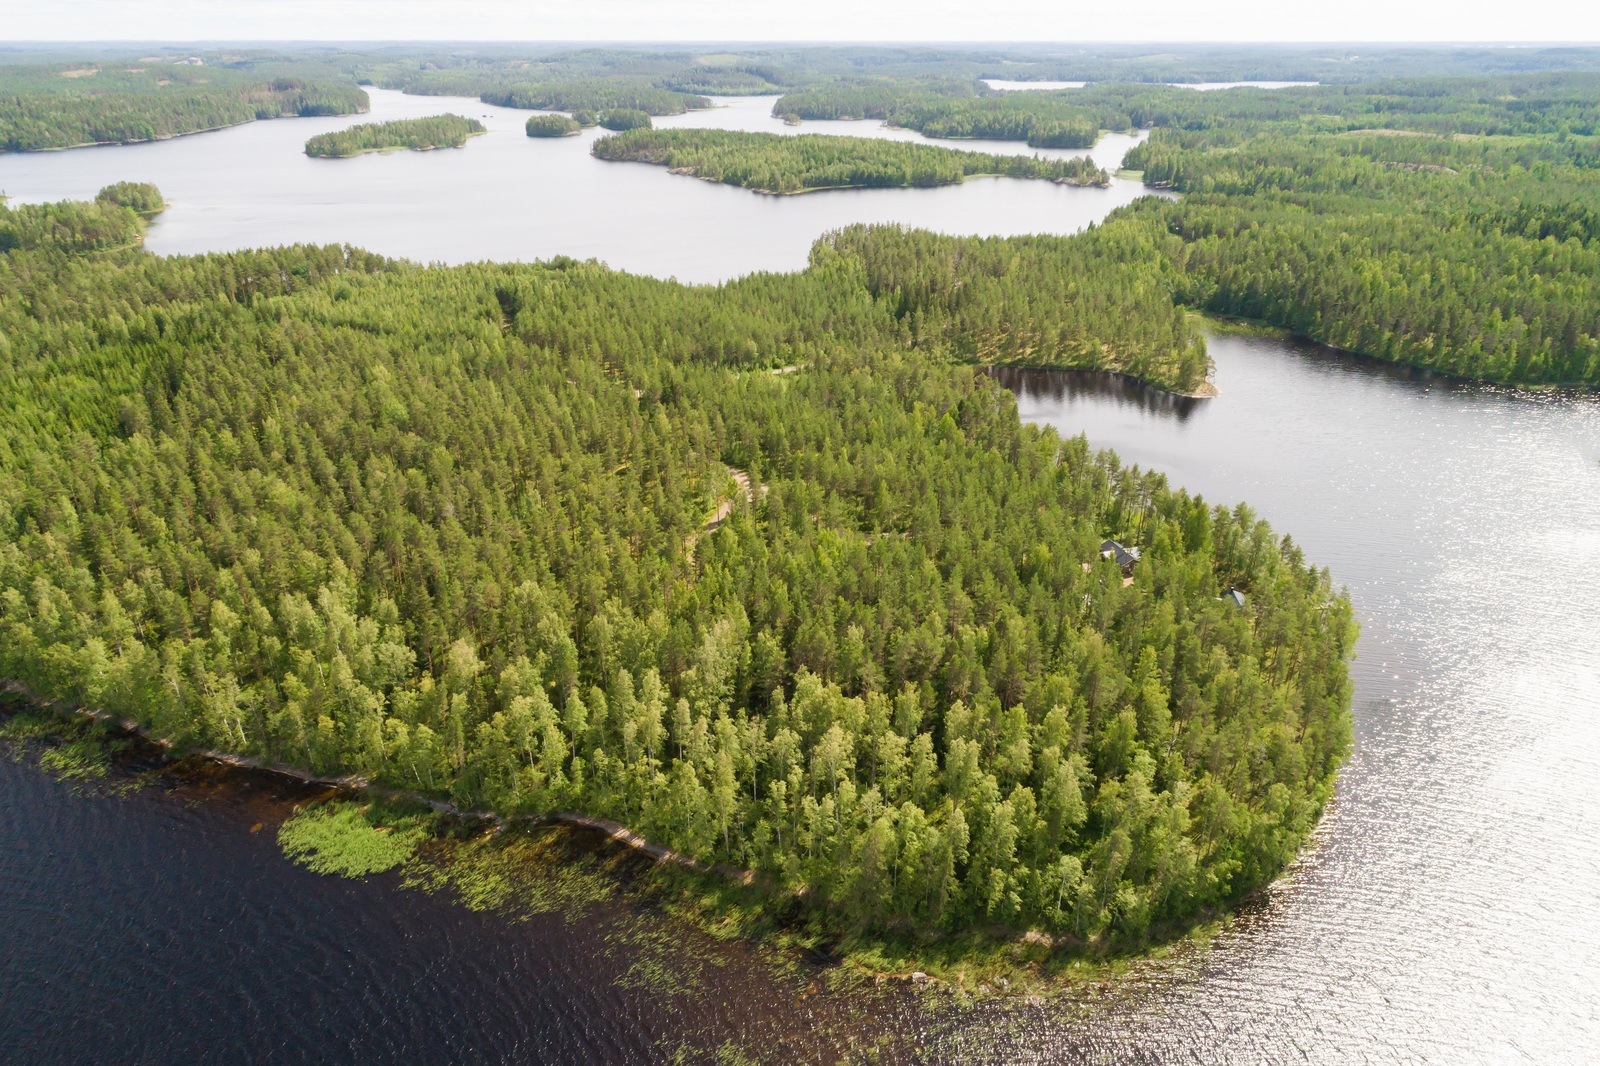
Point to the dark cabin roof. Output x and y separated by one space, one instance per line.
1125 557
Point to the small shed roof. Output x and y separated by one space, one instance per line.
1235 597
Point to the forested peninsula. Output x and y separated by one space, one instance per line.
75 105
1443 223
417 134
449 528
769 162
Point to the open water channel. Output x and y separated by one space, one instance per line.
1448 911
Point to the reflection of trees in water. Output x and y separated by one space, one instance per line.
1061 385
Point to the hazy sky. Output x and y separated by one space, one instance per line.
815 20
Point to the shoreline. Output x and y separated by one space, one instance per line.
976 963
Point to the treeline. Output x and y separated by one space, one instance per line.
432 526
595 94
419 134
770 162
55 106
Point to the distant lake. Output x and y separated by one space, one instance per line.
506 196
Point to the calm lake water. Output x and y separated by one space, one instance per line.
1447 913
506 196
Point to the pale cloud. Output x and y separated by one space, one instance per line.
819 20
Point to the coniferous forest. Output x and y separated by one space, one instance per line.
449 529
769 571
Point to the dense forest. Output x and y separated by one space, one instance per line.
418 134
769 162
448 528
46 106
552 126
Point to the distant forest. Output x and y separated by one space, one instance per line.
67 105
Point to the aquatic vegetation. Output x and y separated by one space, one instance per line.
76 760
337 838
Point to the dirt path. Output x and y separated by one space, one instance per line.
724 509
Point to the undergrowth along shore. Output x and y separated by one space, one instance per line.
563 864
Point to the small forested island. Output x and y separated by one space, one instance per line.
417 134
552 538
49 106
773 163
553 126
622 119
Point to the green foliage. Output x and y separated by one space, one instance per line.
63 106
623 118
770 162
430 526
552 126
336 838
139 196
69 227
595 94
585 118
419 134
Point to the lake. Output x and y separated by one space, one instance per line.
1446 912
507 196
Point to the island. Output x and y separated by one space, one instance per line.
774 163
417 134
553 126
